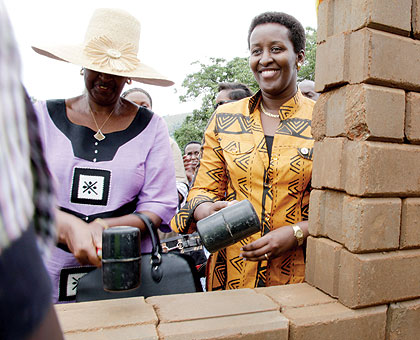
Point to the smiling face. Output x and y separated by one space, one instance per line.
103 88
273 60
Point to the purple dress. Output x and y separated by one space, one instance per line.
128 171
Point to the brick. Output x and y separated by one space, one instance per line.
337 16
89 316
412 117
317 212
358 112
335 321
366 168
143 332
328 170
325 214
369 60
378 278
318 126
323 264
253 326
295 295
380 169
371 224
331 62
410 223
403 320
416 18
360 224
325 20
363 57
334 215
209 305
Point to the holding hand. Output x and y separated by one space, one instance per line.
208 208
81 238
273 244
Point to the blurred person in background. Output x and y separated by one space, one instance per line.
230 92
307 87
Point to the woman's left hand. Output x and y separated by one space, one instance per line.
273 244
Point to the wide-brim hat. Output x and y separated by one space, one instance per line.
111 46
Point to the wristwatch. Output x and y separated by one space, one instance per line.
298 233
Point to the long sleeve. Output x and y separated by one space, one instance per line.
210 181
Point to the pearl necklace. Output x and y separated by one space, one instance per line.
99 136
268 113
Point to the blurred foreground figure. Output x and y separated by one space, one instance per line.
26 310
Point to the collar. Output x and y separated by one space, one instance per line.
286 110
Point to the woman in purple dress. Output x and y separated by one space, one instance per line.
108 156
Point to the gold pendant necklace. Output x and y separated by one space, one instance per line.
268 113
99 136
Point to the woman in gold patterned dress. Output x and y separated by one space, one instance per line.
260 149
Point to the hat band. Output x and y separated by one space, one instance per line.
118 57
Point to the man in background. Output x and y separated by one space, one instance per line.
307 87
231 92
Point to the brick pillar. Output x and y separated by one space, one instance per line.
364 218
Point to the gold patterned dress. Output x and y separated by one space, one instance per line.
235 166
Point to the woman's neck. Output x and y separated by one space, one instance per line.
273 103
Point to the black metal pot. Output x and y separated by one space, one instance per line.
228 226
121 258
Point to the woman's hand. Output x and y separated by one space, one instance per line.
208 208
273 244
81 238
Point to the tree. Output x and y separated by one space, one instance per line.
202 85
308 69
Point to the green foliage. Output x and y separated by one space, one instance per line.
202 85
308 68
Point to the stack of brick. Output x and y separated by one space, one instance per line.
290 312
364 219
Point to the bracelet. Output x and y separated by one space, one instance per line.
101 222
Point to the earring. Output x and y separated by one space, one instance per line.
82 71
129 81
299 65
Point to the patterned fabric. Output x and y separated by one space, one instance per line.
235 165
15 170
43 194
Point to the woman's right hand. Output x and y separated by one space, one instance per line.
208 208
81 238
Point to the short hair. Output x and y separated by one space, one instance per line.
295 28
191 142
138 89
235 86
238 94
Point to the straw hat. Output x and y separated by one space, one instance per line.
111 46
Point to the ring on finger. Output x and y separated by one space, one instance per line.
266 256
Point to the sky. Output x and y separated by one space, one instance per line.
173 35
